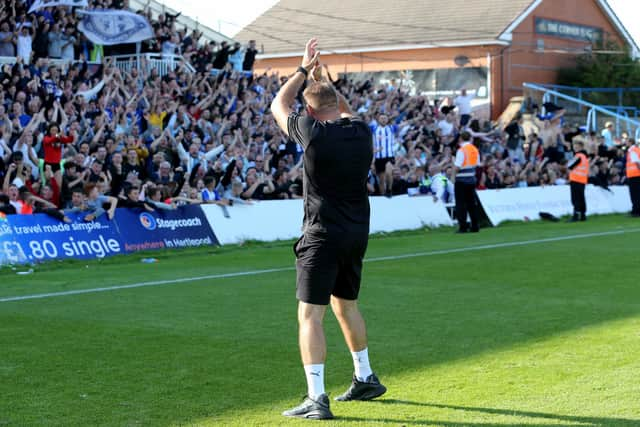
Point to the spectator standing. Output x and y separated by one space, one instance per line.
41 39
236 57
24 43
222 57
466 161
6 40
463 102
53 143
578 178
515 139
633 176
68 43
56 42
249 56
607 134
384 141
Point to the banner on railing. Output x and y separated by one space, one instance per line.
524 204
32 238
40 4
109 27
180 228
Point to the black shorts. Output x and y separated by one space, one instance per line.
55 167
381 163
329 265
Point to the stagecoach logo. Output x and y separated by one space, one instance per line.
5 228
148 221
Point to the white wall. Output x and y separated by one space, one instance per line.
282 219
523 204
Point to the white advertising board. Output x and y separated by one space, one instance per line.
523 204
282 219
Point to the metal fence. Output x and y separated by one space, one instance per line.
163 64
616 114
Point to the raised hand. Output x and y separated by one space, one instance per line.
316 72
311 54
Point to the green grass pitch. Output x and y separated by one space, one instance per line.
541 333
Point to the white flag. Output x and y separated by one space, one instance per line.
39 4
109 27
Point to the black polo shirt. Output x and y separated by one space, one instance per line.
337 159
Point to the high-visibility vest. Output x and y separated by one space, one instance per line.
581 172
633 171
471 159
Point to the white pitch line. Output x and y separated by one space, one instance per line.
282 269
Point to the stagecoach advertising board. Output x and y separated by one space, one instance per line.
34 238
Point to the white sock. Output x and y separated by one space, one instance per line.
315 380
361 364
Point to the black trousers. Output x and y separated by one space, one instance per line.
466 204
577 198
634 192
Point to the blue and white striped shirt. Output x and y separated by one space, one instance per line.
383 140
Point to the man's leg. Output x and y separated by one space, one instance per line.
313 348
383 183
315 273
313 351
365 385
472 206
461 209
388 176
574 201
352 325
582 202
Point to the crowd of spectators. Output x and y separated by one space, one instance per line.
77 138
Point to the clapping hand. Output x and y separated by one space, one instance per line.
311 54
316 73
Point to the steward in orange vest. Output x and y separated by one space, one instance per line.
578 178
633 177
466 161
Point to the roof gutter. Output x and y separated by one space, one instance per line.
392 48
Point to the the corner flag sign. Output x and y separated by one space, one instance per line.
109 27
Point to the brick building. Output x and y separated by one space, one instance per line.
496 44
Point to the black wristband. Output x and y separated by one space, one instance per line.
302 70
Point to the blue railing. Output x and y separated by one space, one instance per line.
583 92
618 113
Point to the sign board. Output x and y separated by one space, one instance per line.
568 30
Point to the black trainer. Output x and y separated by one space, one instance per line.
312 409
363 390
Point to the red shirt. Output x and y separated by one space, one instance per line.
53 147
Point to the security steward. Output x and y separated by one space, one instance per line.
633 177
466 161
578 178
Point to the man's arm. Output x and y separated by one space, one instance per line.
281 105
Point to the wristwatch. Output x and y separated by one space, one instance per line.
303 70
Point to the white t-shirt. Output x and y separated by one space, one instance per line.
463 103
24 47
608 138
634 156
446 128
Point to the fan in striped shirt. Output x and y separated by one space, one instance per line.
384 139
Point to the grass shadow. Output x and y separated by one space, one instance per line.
531 415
